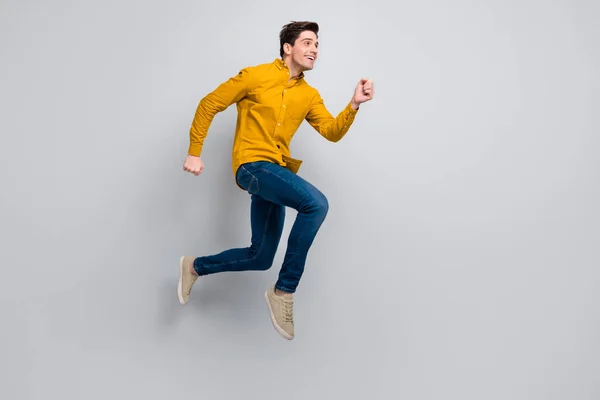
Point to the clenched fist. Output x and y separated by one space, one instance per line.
193 165
364 91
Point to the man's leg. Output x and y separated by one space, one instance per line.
267 221
281 186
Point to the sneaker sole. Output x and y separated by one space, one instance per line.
274 321
180 284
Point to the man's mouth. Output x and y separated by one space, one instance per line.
311 58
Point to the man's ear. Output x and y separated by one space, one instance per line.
287 48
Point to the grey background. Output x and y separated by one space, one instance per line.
460 256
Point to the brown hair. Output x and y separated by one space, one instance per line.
290 32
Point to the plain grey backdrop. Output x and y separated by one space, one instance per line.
460 256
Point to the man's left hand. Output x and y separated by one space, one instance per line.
364 92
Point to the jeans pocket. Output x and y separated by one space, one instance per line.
253 185
247 180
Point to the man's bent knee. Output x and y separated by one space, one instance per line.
320 204
262 260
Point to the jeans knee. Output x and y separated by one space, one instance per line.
323 202
321 205
263 260
263 265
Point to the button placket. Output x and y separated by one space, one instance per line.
281 113
283 106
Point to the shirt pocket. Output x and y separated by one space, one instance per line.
296 110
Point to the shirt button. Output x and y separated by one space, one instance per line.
278 123
284 106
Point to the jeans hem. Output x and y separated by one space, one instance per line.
197 268
284 289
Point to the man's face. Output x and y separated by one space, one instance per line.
305 50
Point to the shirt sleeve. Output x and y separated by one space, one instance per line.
226 94
330 127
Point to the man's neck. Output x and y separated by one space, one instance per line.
294 72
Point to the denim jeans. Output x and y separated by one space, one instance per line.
272 188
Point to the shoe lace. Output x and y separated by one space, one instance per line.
288 310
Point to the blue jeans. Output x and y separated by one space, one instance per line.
273 188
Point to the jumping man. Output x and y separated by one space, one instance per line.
272 100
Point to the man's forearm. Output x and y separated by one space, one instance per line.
205 113
332 128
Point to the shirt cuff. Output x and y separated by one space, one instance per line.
350 109
195 149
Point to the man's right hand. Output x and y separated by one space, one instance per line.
193 165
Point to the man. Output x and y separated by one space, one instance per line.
272 101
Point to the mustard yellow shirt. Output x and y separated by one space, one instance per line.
270 109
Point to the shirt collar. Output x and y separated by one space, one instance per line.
282 65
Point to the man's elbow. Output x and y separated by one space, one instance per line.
334 138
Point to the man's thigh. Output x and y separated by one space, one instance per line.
278 184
